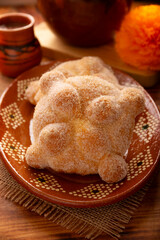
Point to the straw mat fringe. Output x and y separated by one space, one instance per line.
87 222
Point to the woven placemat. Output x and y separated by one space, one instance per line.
87 222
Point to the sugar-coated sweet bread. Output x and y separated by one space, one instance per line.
83 120
86 66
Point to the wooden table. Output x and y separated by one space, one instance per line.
17 223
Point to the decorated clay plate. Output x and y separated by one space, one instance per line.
68 189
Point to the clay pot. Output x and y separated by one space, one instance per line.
84 22
19 49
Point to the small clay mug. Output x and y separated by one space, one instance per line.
19 49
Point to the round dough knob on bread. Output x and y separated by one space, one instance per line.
48 79
104 109
112 168
65 100
55 137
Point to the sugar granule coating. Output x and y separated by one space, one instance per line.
138 40
83 120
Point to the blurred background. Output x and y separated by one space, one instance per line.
16 2
20 2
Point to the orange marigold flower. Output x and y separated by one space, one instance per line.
138 40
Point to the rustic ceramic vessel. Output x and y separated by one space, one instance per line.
71 189
19 49
84 22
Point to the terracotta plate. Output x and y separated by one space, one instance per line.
74 190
